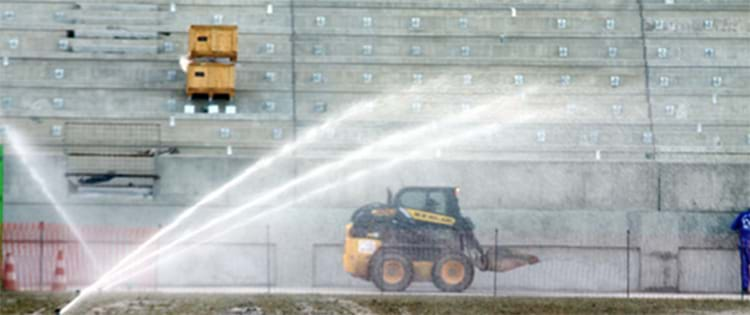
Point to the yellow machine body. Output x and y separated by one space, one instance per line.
359 251
420 235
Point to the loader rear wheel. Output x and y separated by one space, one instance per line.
453 272
391 271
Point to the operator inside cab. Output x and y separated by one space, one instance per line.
431 205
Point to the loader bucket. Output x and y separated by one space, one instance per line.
507 259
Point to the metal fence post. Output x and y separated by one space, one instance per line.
268 259
156 260
41 256
742 265
627 264
313 266
494 272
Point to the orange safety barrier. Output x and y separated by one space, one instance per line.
36 246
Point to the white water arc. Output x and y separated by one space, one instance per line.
425 130
19 144
356 155
285 151
308 137
414 153
353 112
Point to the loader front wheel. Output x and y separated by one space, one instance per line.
391 271
453 272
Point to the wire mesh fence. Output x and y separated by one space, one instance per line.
34 249
276 265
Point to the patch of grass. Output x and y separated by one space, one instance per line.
550 306
27 303
271 304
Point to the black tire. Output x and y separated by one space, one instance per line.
391 271
453 272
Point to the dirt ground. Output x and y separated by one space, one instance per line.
226 304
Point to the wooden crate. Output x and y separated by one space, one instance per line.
213 41
210 79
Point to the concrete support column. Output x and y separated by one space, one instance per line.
659 242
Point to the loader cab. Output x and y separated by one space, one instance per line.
436 205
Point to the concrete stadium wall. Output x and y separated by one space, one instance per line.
573 214
663 153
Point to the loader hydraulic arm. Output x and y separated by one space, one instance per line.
474 251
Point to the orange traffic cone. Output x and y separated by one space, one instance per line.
9 274
58 283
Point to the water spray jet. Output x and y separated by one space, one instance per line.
287 150
356 155
19 144
414 153
360 153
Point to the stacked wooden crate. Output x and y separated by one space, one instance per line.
213 54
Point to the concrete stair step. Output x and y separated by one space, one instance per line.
115 34
115 17
117 6
115 46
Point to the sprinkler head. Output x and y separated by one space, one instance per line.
78 292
